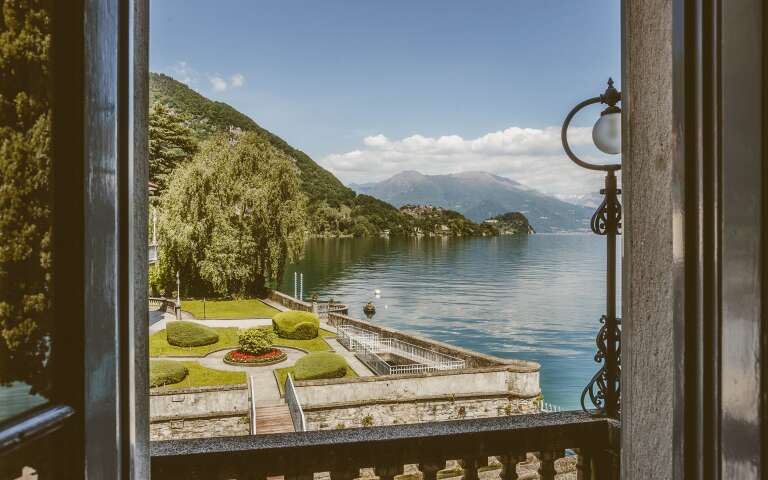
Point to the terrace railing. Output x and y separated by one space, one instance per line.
161 303
323 309
369 346
294 406
387 449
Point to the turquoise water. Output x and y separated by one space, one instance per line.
537 298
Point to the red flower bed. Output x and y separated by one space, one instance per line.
273 356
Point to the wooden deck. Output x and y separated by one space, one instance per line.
273 418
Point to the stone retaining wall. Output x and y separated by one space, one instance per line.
419 410
199 412
425 397
223 424
501 381
289 302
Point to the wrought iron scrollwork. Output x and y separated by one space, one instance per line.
597 388
603 390
602 221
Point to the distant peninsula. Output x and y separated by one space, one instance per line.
511 223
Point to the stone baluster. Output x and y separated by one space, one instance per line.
388 472
547 464
583 464
470 466
429 469
509 465
301 476
347 473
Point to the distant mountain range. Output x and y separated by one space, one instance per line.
480 196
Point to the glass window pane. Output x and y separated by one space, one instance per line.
403 190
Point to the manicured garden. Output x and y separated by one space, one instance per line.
228 309
316 344
256 349
315 366
251 347
164 373
160 347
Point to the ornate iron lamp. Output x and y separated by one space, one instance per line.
604 390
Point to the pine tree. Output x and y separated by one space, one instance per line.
25 193
170 144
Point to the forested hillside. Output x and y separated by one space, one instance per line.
206 116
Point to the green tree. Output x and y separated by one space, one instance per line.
25 194
232 217
170 143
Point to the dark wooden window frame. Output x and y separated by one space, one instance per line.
719 219
96 424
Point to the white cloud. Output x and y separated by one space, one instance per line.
531 156
237 80
185 73
218 83
182 72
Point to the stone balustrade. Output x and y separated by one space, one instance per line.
162 304
289 302
538 441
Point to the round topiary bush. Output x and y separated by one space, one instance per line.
320 365
256 340
296 325
166 372
190 334
255 348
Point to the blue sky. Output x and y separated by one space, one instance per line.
368 88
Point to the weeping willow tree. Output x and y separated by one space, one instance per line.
25 195
231 218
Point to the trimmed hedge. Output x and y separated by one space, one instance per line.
255 340
320 365
296 325
189 334
166 372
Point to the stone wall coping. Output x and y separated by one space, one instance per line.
200 416
383 378
181 391
497 434
457 351
425 399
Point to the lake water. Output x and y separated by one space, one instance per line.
537 297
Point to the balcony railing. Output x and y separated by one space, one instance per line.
371 346
342 453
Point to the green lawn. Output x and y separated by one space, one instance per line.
229 309
159 346
282 374
200 376
316 344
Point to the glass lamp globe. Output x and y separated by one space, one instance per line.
607 133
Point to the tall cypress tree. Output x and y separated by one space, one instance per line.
25 192
170 143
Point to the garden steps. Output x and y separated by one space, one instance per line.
273 418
